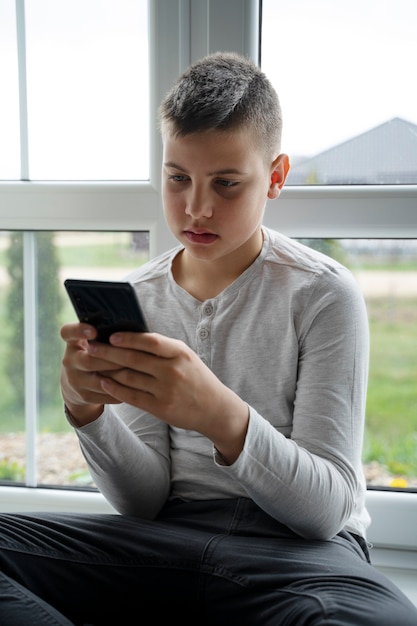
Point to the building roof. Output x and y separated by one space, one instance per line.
386 154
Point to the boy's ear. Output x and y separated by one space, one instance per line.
279 172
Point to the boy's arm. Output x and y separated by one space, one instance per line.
129 464
312 480
127 453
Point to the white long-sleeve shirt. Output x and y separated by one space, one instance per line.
290 337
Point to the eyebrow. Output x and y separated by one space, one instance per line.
225 172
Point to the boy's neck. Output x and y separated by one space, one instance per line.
200 279
205 279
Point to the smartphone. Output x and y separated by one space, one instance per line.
108 306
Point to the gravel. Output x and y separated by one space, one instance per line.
59 459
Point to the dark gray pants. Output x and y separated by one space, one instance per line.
219 563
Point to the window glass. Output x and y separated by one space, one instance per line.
386 271
344 72
87 89
57 256
9 101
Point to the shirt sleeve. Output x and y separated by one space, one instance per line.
127 453
312 480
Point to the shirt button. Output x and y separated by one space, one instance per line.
203 333
208 309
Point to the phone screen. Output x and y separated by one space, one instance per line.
108 306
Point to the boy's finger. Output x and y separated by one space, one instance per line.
74 332
153 343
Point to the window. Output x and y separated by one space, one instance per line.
82 68
9 102
35 265
180 32
386 271
346 125
76 107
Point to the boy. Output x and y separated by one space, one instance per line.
229 437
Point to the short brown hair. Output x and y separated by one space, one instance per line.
224 91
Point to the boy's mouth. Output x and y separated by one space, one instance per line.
203 237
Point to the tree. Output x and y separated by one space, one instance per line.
50 303
330 247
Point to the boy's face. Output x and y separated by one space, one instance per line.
215 185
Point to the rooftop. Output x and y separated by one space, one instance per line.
386 154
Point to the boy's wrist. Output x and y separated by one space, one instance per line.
228 448
82 417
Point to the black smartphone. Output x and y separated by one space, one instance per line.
109 306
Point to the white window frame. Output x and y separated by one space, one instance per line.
182 31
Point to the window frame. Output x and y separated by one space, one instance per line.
204 26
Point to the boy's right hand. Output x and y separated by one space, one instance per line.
80 382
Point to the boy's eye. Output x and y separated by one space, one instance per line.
178 178
227 183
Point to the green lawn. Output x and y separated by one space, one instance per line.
391 416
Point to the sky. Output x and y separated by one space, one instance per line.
340 67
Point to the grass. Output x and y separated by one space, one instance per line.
391 415
78 249
11 470
392 390
398 455
114 255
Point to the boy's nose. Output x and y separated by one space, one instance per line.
198 205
